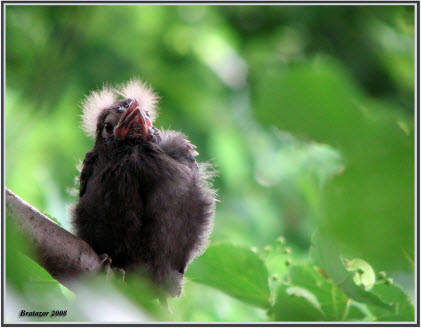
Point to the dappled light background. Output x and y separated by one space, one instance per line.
305 111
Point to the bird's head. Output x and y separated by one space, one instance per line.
107 118
124 120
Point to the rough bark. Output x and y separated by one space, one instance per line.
61 253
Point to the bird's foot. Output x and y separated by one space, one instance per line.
113 272
106 264
103 257
110 271
122 273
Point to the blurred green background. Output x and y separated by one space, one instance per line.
307 112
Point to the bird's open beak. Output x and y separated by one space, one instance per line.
132 114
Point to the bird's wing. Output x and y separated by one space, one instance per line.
176 145
87 170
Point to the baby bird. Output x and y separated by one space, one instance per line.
143 199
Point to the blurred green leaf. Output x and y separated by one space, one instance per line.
325 254
393 294
332 300
234 270
315 99
296 304
142 292
355 313
40 284
27 277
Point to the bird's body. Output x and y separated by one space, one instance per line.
144 200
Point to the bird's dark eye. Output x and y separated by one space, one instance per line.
147 114
108 128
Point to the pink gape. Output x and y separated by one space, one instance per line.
132 114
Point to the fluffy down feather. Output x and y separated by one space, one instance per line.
95 103
136 89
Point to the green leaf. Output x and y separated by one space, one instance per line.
296 304
403 308
28 279
234 270
39 282
325 254
332 300
322 85
367 204
304 293
357 312
140 291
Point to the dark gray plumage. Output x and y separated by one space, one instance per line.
144 200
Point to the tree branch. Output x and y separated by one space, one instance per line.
61 253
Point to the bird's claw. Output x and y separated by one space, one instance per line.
103 258
106 263
122 272
109 271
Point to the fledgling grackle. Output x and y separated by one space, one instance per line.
143 199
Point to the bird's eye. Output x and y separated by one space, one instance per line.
147 114
108 128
